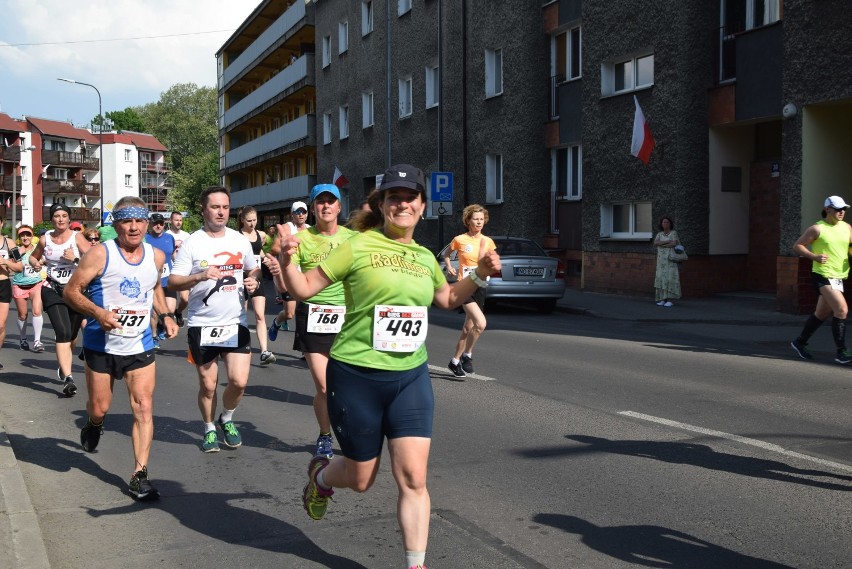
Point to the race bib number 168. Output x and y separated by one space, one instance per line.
399 328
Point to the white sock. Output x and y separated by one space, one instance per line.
414 558
467 355
227 414
454 361
22 328
209 427
321 481
38 324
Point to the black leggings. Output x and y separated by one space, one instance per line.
65 321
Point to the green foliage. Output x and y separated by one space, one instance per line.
185 121
128 119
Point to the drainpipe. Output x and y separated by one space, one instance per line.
390 81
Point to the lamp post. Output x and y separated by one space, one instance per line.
14 195
100 140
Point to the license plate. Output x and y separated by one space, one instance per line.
529 271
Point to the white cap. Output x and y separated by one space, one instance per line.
835 202
298 205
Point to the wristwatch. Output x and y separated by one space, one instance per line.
479 282
168 315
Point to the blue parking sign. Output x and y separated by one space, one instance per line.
442 187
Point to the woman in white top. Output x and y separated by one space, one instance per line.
59 251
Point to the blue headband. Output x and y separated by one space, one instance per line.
132 212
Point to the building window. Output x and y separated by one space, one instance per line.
567 55
342 37
493 72
344 122
628 220
60 174
493 178
433 93
739 15
127 180
568 172
405 97
404 6
326 128
326 51
366 17
127 156
367 109
627 74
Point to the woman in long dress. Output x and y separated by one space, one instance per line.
667 277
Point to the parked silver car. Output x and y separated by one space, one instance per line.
528 274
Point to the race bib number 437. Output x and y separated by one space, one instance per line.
133 321
399 328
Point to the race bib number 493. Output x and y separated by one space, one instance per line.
399 328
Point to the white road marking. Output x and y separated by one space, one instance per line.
445 371
732 437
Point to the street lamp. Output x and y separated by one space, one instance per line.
100 139
14 195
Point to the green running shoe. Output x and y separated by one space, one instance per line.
232 435
210 442
314 498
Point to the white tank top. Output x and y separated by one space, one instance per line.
59 269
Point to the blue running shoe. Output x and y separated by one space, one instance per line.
324 446
272 333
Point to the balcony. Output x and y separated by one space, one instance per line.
279 28
154 167
62 159
6 182
12 154
272 91
301 129
149 181
73 187
281 191
83 214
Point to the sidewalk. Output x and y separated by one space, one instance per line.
20 534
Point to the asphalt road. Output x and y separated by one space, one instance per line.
580 442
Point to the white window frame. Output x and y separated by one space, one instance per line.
366 17
367 116
570 50
771 13
403 7
494 178
632 233
326 128
433 96
128 180
343 115
573 175
326 51
342 37
404 96
127 156
631 65
493 72
60 174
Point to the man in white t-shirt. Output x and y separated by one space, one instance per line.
210 264
176 231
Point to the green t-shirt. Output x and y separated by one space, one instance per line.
313 248
834 241
377 270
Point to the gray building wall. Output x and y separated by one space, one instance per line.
510 124
676 179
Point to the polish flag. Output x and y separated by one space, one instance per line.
339 179
643 141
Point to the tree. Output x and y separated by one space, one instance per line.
185 121
128 119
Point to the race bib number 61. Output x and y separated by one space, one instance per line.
220 336
399 328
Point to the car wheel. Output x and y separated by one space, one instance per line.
546 306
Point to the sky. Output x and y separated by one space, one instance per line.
127 72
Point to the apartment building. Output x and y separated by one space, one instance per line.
46 162
456 87
267 125
749 102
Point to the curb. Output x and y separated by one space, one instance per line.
27 545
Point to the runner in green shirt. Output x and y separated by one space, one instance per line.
378 378
318 319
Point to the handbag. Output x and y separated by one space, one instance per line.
678 254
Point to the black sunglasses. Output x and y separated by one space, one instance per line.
93 239
300 211
25 234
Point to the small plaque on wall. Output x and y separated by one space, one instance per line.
732 179
776 170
